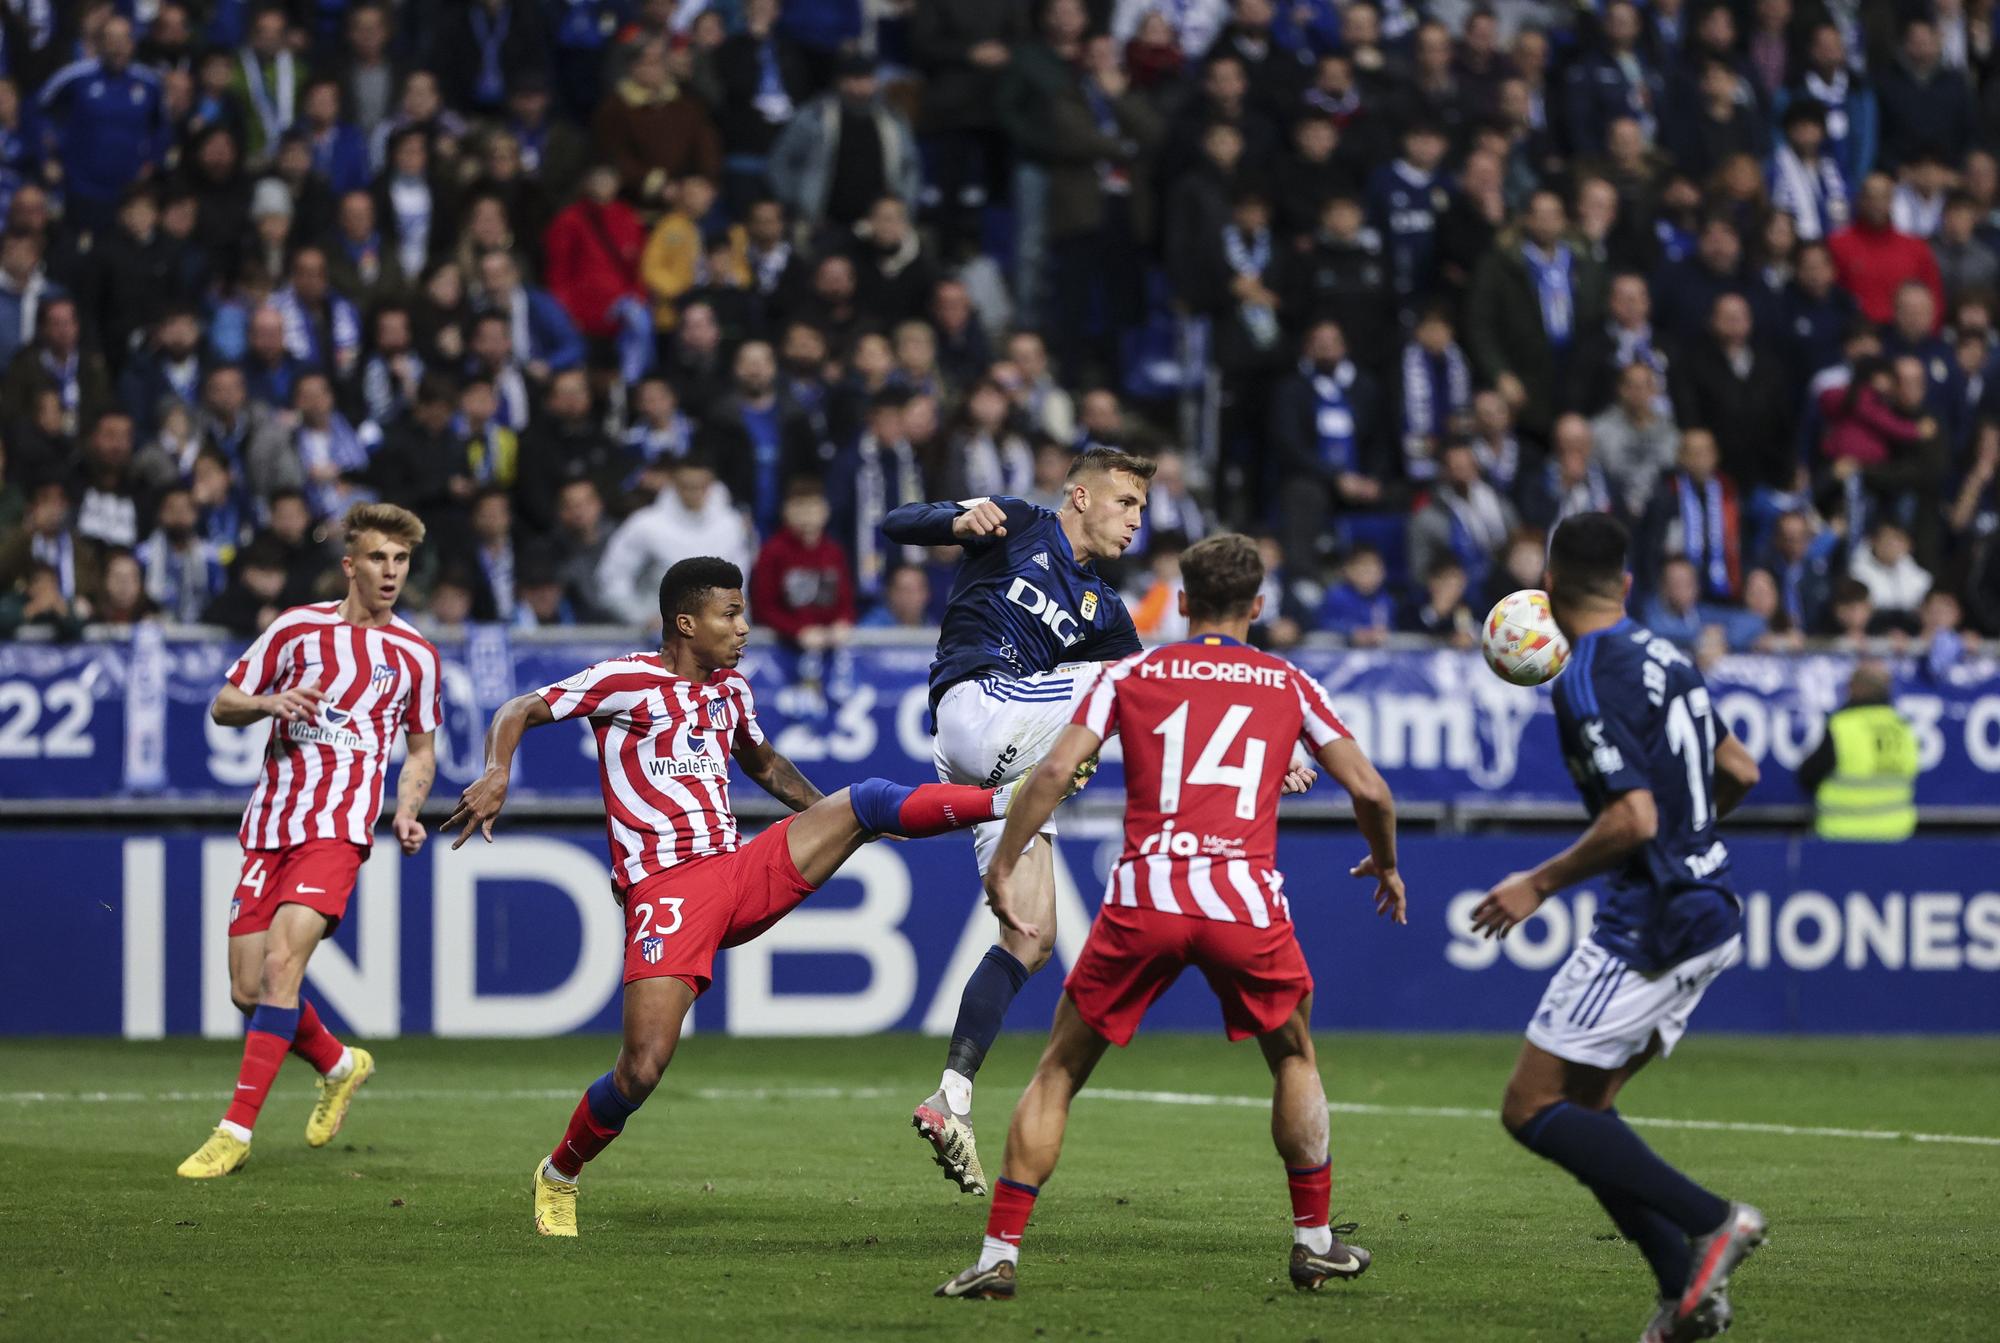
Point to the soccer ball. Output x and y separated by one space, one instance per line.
1521 641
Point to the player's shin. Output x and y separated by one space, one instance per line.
1599 1149
598 1118
982 1008
1007 1222
887 808
264 1047
319 1046
1663 1244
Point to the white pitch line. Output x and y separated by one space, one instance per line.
1188 1098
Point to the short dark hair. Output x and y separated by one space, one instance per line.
1588 552
1104 459
1221 575
686 586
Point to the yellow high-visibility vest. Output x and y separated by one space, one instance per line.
1872 793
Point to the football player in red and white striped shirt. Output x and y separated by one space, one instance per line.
667 726
341 679
1208 727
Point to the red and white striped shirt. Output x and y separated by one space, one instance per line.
1208 728
323 779
663 746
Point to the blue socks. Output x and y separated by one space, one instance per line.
989 991
878 805
608 1105
282 1022
1599 1149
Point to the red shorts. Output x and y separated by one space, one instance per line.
675 921
318 874
1132 956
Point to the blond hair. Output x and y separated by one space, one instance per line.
391 520
1110 459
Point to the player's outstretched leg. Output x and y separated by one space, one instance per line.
341 1070
1299 1130
944 1118
1562 1111
654 1011
274 1022
1034 1144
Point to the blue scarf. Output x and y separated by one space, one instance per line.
1701 531
1435 388
1552 287
1333 417
344 451
490 88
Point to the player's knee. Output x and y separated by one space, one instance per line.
1032 952
1519 1105
246 1002
639 1071
281 971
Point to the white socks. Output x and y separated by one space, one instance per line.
340 1070
236 1131
994 1251
1318 1239
549 1169
957 1088
1002 797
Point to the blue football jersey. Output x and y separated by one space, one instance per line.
1634 713
1022 603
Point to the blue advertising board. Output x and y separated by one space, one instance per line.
109 933
91 721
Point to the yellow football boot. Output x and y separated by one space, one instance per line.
223 1154
330 1110
555 1203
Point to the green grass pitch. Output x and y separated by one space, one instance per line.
773 1189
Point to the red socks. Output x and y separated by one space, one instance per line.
598 1118
939 808
1013 1203
314 1042
1312 1193
264 1049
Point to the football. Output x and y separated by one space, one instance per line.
1521 641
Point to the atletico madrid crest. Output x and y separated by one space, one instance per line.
651 949
718 714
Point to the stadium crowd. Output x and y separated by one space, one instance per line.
593 285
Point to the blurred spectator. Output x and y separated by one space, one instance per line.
1569 481
1616 80
1732 387
1874 260
306 557
592 252
1695 514
333 454
577 545
1847 103
1155 600
1048 408
760 436
107 123
123 600
1850 615
480 49
1359 606
56 360
894 275
1624 338
1436 393
1799 566
1493 441
24 286
695 517
844 151
1895 582
985 457
270 371
1685 291
493 556
654 130
421 463
1816 315
544 340
1341 276
564 443
1441 612
1634 440
1917 208
800 587
763 80
1326 426
183 572
1286 612
1527 307
1466 519
13 496
905 604
1405 199
166 370
1806 181
1941 634
1966 265
1675 611
48 538
107 487
868 480
1523 562
1924 104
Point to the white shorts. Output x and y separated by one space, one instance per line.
1601 1012
993 729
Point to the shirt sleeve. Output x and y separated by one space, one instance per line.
257 671
604 690
1098 709
1321 725
749 732
425 712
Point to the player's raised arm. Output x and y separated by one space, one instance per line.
1628 822
480 804
1375 814
1037 800
777 775
947 524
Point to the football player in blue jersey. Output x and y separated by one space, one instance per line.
1028 624
1657 770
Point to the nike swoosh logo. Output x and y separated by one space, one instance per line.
1005 1236
1348 1267
240 1086
309 890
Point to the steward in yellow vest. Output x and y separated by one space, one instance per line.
1863 775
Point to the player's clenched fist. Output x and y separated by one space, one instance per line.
984 518
300 704
478 806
